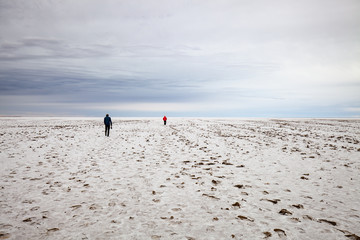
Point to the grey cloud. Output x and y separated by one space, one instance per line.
86 88
39 42
38 48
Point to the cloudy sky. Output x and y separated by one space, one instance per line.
211 58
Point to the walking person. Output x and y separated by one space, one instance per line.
108 124
164 118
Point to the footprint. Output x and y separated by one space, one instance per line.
4 235
308 217
280 232
298 206
327 221
76 207
267 234
245 218
236 204
29 219
274 201
52 230
35 208
285 212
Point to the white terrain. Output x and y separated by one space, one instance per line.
61 178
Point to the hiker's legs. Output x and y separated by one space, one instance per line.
107 130
164 122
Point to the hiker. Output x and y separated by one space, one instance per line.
164 118
108 124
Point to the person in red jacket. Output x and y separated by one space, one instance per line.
164 118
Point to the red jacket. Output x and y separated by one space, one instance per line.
164 118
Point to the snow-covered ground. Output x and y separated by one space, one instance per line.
62 178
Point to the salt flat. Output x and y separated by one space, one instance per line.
61 178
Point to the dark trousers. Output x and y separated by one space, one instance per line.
164 122
107 130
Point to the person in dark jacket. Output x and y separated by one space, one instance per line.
164 118
108 124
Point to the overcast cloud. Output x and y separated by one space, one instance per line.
220 58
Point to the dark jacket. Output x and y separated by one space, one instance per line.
107 121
